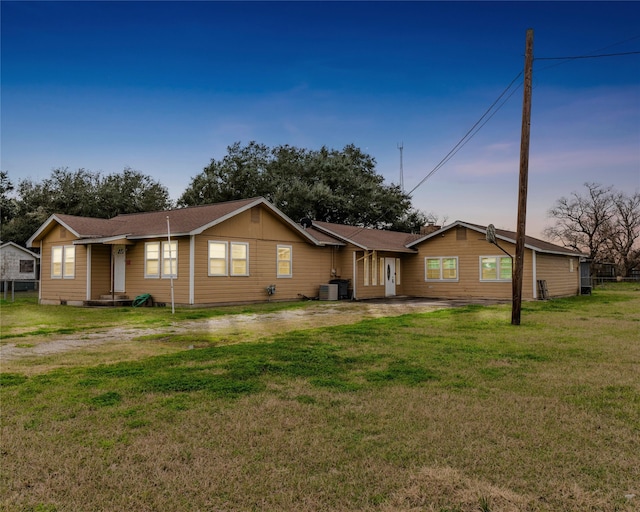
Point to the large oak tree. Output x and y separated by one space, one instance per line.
325 184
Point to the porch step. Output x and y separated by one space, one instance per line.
102 302
117 296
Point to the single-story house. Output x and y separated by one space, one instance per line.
249 251
18 266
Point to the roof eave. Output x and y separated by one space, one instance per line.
45 228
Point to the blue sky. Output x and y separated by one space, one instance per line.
163 87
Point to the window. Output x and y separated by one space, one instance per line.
240 259
495 268
169 259
161 264
382 271
26 266
441 269
284 261
397 270
152 259
374 268
63 262
366 269
217 258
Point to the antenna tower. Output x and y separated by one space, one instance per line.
401 147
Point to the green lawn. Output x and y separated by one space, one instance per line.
455 410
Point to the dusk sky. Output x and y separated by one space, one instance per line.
163 87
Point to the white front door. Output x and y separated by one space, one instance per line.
389 277
119 266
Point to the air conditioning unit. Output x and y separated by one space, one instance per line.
328 292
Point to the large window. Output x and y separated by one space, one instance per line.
228 258
441 269
374 268
239 259
161 259
217 258
63 262
284 262
495 268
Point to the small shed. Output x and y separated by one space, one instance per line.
18 266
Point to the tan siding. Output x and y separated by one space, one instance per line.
263 233
468 251
556 270
159 288
100 270
74 290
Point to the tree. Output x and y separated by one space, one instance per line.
84 193
625 232
130 192
603 223
7 203
326 184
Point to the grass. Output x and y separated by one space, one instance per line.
454 410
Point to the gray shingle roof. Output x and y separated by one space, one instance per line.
369 239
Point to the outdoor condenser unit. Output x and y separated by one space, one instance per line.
328 292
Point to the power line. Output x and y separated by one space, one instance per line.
471 132
588 56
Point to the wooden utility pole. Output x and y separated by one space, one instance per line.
524 178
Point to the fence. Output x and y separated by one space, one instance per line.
29 286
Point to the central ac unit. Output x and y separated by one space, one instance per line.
328 292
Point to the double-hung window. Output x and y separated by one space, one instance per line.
217 258
441 268
228 258
495 268
239 259
284 261
63 262
161 259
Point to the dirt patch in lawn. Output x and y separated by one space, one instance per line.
250 326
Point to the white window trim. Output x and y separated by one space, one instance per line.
365 268
161 273
442 279
63 262
498 279
174 271
231 258
226 258
290 274
147 275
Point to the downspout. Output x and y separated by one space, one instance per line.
113 275
40 276
355 277
535 274
192 269
89 271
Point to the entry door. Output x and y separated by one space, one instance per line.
390 277
119 266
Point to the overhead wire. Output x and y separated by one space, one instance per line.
492 110
471 132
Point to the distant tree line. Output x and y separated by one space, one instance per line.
326 185
28 204
340 186
601 222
